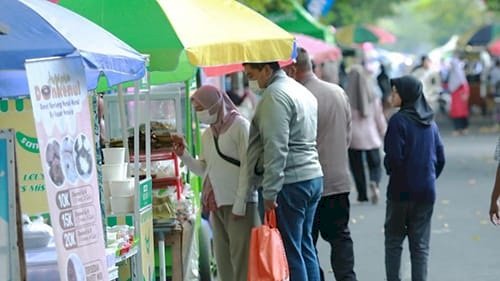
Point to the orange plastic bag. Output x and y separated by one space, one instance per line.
267 261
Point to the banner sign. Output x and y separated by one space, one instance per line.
319 8
146 230
65 138
18 114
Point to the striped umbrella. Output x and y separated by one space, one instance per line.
181 35
358 33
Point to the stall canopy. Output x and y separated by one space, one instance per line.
182 35
299 20
37 29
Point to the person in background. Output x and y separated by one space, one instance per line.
283 160
333 138
414 159
368 128
459 90
495 193
385 86
328 71
244 99
226 193
431 81
494 86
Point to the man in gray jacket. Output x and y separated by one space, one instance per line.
333 138
283 160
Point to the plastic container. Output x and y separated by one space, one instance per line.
122 187
122 204
114 172
114 155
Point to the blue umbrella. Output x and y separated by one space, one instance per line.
38 28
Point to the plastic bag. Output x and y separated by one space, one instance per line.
36 234
267 260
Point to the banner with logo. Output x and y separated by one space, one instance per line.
65 138
18 114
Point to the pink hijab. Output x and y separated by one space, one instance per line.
217 102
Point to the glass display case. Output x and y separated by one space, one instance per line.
166 111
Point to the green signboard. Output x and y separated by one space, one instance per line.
145 193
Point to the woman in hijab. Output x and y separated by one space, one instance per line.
414 158
460 92
368 128
226 193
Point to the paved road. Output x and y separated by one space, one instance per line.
464 245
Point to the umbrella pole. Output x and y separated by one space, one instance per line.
136 262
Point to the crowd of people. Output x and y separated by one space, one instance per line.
298 154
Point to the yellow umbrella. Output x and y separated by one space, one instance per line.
219 32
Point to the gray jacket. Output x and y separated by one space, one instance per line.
282 143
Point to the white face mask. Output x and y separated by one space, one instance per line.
205 117
254 87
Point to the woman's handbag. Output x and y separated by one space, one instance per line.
267 261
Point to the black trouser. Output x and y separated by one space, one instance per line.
358 169
460 123
332 222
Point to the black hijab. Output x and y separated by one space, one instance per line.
413 103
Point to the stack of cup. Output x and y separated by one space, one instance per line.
118 189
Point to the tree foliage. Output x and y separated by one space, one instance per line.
345 12
264 6
451 17
493 5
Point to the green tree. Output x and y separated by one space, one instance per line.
451 17
345 12
421 25
493 5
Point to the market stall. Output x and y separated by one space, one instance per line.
36 30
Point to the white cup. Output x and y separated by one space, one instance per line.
114 172
122 187
114 155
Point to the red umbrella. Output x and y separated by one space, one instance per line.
318 50
494 48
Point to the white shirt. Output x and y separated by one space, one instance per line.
230 182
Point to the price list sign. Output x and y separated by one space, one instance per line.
63 125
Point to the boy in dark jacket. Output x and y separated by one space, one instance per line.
414 158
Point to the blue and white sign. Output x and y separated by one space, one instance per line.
319 8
